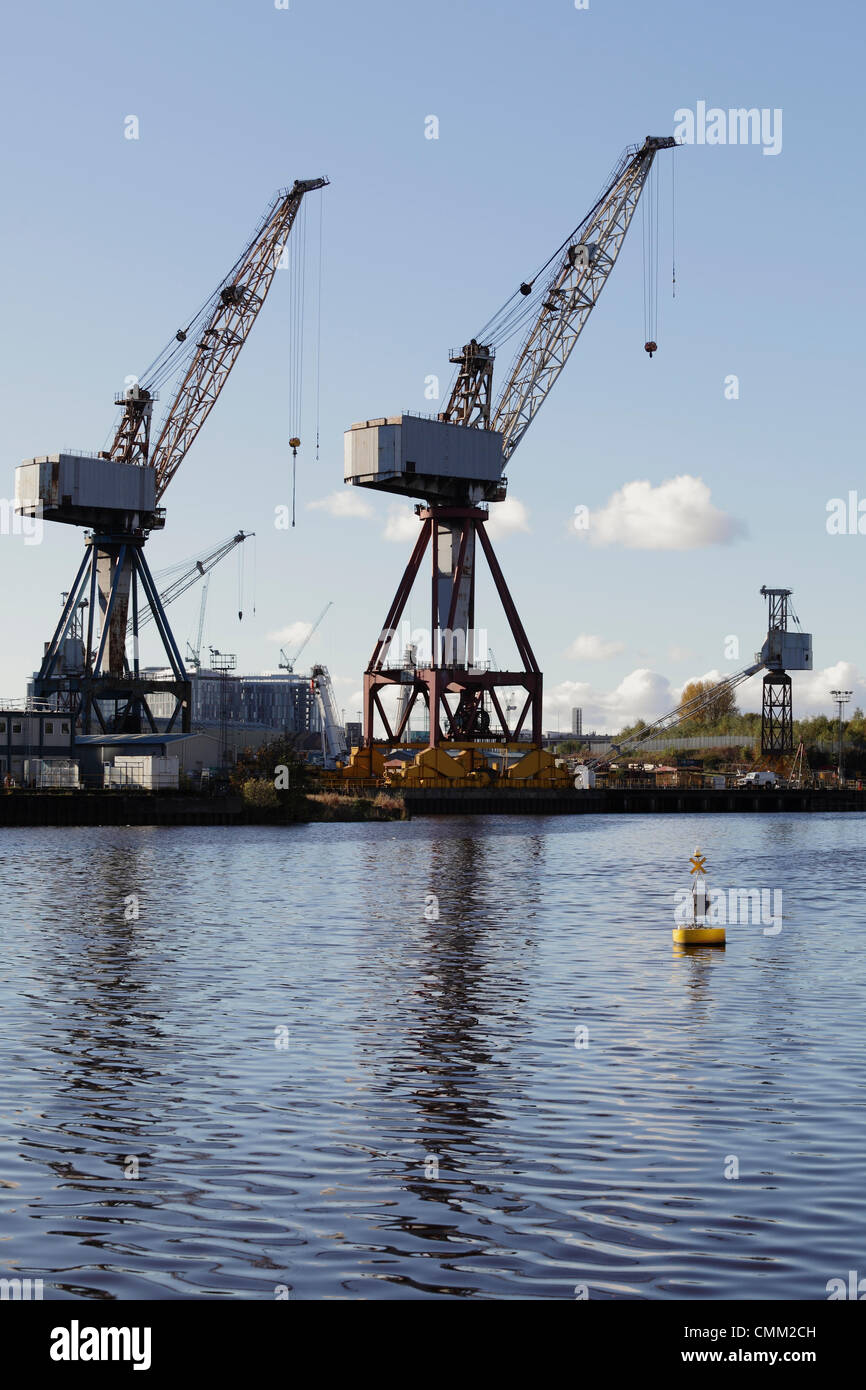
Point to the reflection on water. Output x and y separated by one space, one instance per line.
435 1125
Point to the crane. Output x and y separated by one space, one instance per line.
334 746
455 463
191 574
196 570
288 662
681 714
194 653
784 650
556 304
117 493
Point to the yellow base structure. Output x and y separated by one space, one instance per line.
699 936
538 769
364 764
456 765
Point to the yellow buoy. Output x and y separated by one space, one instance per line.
699 936
695 935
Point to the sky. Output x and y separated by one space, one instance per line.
700 488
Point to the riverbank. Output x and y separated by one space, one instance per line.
178 808
170 808
627 801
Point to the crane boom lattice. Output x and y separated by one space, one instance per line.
570 293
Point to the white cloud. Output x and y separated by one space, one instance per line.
348 503
643 694
401 524
811 694
588 647
811 689
506 518
291 636
676 515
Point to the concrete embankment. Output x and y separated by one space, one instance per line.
118 808
144 808
165 808
624 801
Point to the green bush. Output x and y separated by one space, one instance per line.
260 794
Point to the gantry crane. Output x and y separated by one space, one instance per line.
117 494
455 464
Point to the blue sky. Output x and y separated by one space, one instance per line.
111 243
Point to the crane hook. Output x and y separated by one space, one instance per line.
650 348
294 445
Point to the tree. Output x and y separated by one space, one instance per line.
630 729
722 706
277 763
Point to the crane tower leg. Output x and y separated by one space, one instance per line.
114 577
777 723
92 679
451 679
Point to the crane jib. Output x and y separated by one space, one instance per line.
571 293
216 337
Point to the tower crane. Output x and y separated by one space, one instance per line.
288 662
455 463
194 653
117 492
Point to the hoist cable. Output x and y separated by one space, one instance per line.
319 327
674 228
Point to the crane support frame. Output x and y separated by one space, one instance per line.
453 691
777 718
105 677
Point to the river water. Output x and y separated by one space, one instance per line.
243 1063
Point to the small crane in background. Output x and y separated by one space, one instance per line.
288 662
194 653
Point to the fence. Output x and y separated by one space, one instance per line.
660 745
